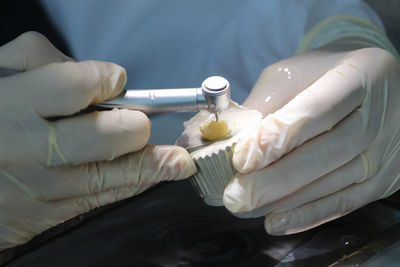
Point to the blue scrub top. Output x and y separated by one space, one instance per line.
178 43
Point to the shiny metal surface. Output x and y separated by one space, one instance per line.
213 95
159 100
217 93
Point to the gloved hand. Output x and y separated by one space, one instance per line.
51 171
329 143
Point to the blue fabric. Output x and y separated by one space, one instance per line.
178 43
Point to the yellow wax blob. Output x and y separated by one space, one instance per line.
214 130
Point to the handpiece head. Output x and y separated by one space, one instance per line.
217 92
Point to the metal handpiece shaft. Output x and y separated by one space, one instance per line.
213 95
160 100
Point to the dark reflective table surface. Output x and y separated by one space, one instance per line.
169 225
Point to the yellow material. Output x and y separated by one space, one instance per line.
214 130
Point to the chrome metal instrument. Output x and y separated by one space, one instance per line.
213 95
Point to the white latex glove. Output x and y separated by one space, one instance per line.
51 171
329 143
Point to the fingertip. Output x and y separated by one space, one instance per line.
118 79
268 228
98 80
234 197
186 163
181 161
276 224
167 162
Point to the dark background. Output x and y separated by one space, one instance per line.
19 16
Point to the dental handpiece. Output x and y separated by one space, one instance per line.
214 95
